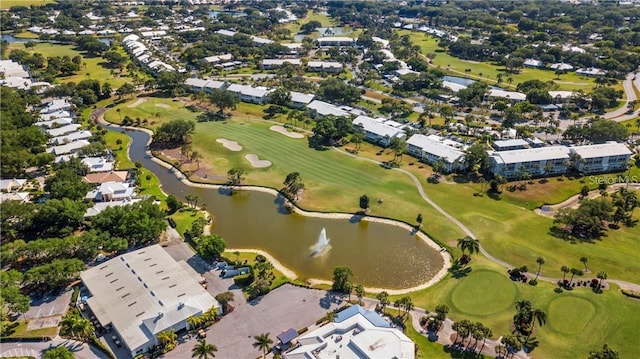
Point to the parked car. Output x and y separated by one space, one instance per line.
116 341
202 334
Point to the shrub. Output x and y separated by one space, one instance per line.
533 282
303 330
243 279
630 293
558 290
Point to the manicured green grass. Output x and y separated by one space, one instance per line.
94 68
333 181
472 297
151 186
427 349
325 20
184 217
429 44
26 35
7 4
119 150
577 321
155 110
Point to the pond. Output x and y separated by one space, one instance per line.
380 255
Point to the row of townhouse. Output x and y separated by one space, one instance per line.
246 93
555 160
143 54
311 66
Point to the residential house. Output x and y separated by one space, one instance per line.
11 185
218 59
104 177
431 149
68 148
73 136
111 191
324 66
250 94
270 64
301 100
321 109
195 84
376 131
336 41
101 206
55 132
98 164
591 72
605 157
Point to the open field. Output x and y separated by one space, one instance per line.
153 109
577 321
429 44
7 4
94 68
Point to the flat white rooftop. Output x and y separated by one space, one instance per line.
602 150
531 154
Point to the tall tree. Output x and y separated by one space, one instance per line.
293 185
383 300
341 279
210 247
359 292
203 350
223 100
540 261
364 202
263 343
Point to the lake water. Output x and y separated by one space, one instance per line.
380 255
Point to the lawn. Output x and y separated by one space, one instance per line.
184 217
92 66
577 321
155 110
7 4
429 44
119 150
325 20
427 349
21 332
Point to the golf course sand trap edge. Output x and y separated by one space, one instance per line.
256 161
285 132
138 102
163 105
230 145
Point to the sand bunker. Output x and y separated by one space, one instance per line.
163 105
257 162
230 145
285 132
138 102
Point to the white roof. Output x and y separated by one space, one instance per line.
561 94
531 154
54 132
56 105
57 114
561 66
510 143
601 150
353 337
98 164
12 69
335 39
533 63
385 43
15 196
226 32
592 71
455 87
195 82
261 40
218 58
156 33
294 45
437 148
325 108
299 97
280 62
323 64
377 127
144 292
67 148
131 37
10 184
56 121
247 90
101 206
73 136
512 95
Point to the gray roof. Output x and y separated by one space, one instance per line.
280 62
602 150
531 155
510 143
377 127
299 97
144 292
325 108
248 90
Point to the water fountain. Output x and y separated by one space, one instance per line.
322 245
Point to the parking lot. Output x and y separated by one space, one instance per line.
49 306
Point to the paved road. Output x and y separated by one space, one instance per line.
621 113
36 349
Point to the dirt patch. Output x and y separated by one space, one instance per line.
230 145
286 132
163 105
41 323
256 161
138 102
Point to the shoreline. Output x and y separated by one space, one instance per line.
276 264
446 256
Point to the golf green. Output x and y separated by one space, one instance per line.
570 315
483 293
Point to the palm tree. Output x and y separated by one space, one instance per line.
540 261
359 292
167 337
602 276
564 270
79 327
330 316
194 322
203 350
584 261
538 315
574 272
262 343
383 298
487 333
469 244
501 350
